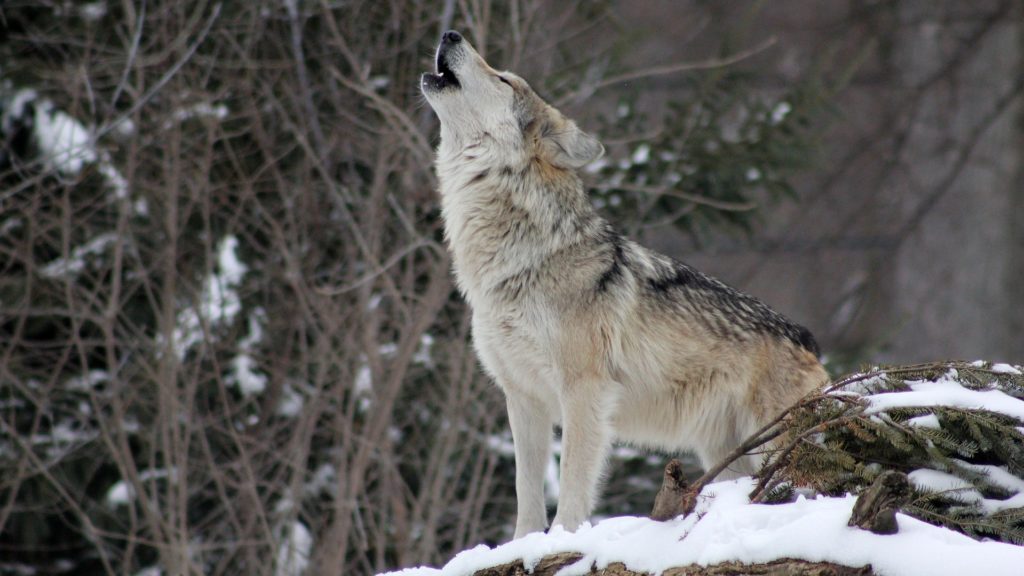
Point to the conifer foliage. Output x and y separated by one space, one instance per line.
955 428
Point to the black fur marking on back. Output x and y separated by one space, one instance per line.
725 311
806 339
615 270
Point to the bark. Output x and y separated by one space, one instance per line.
549 565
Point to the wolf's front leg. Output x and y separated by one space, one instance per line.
531 425
586 438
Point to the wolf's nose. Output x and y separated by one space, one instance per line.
451 37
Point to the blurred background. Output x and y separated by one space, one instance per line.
229 339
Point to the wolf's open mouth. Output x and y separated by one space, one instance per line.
445 75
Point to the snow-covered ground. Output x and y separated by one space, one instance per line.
726 527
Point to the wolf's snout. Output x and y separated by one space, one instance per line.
448 55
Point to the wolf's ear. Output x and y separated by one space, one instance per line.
566 146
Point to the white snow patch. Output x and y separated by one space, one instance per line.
123 493
15 107
1005 369
293 552
861 387
780 111
75 262
422 355
642 154
118 185
996 475
753 174
93 11
201 110
962 490
324 480
726 527
925 421
291 402
244 372
944 482
87 381
65 143
245 376
946 391
219 302
501 445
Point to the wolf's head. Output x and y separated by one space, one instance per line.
476 102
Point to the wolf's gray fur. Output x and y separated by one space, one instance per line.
579 325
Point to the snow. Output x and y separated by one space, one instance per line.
87 381
244 372
726 527
1005 369
364 380
422 355
123 493
926 421
963 491
248 380
201 110
946 391
780 111
219 302
65 143
953 486
291 402
293 554
642 154
996 475
93 11
75 263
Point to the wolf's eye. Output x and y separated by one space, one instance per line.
503 79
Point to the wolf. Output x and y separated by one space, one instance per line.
578 325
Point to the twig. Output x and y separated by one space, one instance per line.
724 205
688 66
106 128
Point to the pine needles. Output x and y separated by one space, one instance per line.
954 428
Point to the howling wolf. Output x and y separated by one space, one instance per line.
578 325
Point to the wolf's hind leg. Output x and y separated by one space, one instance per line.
531 425
732 431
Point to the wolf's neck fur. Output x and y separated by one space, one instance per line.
506 217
